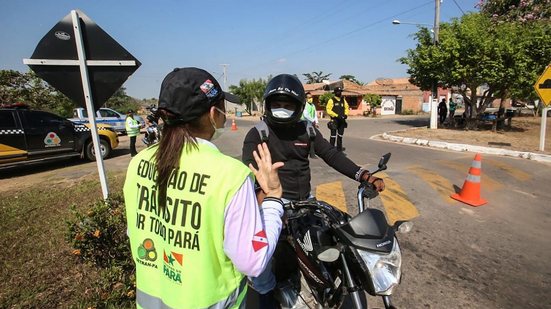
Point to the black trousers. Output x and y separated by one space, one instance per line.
336 134
133 151
443 117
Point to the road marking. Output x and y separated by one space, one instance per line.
396 202
333 194
394 199
516 173
437 182
487 182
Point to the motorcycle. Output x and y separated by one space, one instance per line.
339 256
153 130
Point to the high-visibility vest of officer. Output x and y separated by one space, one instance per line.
194 224
337 107
132 125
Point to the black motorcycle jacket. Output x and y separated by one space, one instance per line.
291 145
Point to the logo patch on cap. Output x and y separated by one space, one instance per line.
209 89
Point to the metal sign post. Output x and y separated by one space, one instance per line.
58 71
89 103
543 89
543 127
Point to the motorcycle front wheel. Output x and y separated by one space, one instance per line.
306 299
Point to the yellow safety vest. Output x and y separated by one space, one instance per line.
132 126
179 254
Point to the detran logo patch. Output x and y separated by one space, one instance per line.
147 254
52 140
146 251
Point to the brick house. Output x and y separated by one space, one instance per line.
398 94
351 91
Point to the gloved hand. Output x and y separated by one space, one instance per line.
376 181
344 117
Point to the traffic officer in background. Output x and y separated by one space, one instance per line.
337 109
310 110
195 227
132 130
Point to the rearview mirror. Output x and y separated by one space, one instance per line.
383 161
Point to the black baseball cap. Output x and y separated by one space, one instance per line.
189 93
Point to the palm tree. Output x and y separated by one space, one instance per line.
316 77
351 78
250 92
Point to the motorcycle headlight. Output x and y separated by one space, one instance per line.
385 269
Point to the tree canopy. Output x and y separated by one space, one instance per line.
351 78
17 87
516 10
374 100
250 93
316 77
324 98
474 51
28 88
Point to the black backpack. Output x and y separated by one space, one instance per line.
264 133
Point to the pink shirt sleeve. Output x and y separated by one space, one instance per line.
251 232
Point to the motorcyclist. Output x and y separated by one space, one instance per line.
151 130
290 143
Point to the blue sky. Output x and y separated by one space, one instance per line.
256 38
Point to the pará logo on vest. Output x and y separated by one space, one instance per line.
172 261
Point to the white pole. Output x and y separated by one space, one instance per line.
89 104
225 76
433 111
543 127
436 21
433 105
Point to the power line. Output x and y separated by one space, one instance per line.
291 34
340 36
459 7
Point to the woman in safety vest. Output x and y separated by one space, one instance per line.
195 227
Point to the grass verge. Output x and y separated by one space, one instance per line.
37 268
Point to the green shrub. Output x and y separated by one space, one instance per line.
374 100
98 236
408 112
324 98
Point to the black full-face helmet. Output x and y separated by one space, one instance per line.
288 88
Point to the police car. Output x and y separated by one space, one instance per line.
107 116
31 136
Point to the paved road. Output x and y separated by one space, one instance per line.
457 256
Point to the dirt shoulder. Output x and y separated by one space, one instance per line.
524 135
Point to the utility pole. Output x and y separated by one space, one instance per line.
434 90
436 21
225 76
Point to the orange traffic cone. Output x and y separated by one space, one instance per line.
470 193
233 125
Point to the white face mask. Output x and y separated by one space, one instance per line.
217 131
282 113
